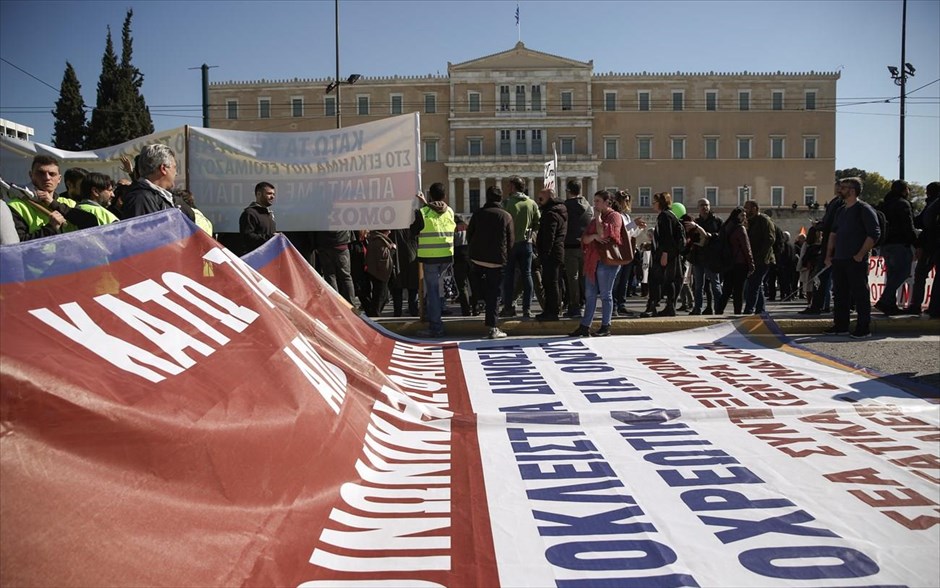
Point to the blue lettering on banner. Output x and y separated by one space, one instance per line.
647 432
509 370
569 483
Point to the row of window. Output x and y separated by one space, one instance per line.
363 106
530 98
744 147
777 196
678 103
530 142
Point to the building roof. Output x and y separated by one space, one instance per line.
519 57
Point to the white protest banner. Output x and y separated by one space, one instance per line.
360 177
548 177
878 272
16 156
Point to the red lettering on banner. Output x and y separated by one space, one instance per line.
760 423
897 497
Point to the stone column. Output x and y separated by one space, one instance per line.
531 186
591 187
466 191
452 193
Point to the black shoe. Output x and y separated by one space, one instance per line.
507 312
543 317
888 310
647 313
526 315
810 311
860 334
911 312
708 310
573 313
604 331
695 312
622 310
836 331
581 331
667 312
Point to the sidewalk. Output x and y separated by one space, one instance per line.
785 314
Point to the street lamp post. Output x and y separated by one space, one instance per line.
336 83
900 75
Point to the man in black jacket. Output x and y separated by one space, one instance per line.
897 247
490 235
256 224
550 245
157 167
704 259
580 214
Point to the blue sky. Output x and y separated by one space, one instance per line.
251 40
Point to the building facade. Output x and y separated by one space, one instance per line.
16 131
722 136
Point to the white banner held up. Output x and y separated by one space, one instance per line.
548 178
360 177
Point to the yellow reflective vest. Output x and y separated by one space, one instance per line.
436 239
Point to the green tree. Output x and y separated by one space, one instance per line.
138 120
105 128
71 125
874 185
121 113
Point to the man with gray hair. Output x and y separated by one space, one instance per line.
157 168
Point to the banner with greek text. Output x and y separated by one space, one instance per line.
877 274
16 156
361 177
173 415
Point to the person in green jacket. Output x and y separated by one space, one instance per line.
525 217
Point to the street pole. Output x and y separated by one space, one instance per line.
903 86
339 121
205 92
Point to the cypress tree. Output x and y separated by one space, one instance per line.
104 129
138 119
71 125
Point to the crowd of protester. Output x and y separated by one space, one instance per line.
517 248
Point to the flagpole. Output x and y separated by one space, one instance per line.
518 24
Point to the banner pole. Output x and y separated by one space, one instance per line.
186 155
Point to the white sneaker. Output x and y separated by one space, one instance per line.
495 333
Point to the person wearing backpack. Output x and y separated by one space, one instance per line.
897 246
928 252
669 241
761 232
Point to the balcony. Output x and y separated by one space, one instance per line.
519 158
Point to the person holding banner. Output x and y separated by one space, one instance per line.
157 167
434 224
47 214
97 190
598 276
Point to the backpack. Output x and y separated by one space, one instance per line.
882 225
779 242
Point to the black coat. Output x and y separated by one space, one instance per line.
900 219
490 234
553 226
142 199
256 225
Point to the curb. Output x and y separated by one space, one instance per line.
473 327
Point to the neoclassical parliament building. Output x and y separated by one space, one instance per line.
722 136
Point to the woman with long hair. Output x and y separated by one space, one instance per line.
664 266
734 236
598 276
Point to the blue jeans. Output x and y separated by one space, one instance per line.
602 286
898 260
521 257
700 273
754 290
432 290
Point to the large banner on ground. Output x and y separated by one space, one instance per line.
362 177
16 156
173 415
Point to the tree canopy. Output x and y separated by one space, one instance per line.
71 125
121 113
